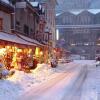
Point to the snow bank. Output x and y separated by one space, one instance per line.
22 81
91 86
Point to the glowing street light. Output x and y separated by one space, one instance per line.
57 34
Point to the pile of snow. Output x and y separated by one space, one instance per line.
22 81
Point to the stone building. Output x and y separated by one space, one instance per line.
29 20
22 24
24 18
50 28
81 31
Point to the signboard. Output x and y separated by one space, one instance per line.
78 31
21 5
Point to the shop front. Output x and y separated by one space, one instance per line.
16 56
17 53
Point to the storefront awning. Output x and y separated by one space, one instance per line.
14 38
30 40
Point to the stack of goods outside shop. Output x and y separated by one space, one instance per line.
20 57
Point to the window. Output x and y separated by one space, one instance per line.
1 23
26 30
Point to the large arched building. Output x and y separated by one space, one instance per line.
81 30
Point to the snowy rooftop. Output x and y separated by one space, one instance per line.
15 39
34 4
78 11
6 1
93 11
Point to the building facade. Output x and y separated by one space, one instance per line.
81 32
22 24
50 28
33 23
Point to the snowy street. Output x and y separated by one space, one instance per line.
91 86
64 85
78 80
49 49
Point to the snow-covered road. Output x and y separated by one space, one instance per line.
78 80
64 85
91 86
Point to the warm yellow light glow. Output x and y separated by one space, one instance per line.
2 51
30 50
19 50
10 50
15 48
41 53
54 51
14 61
8 47
37 50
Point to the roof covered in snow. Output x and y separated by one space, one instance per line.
6 1
79 11
35 4
14 38
93 11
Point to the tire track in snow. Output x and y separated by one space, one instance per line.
53 87
43 88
